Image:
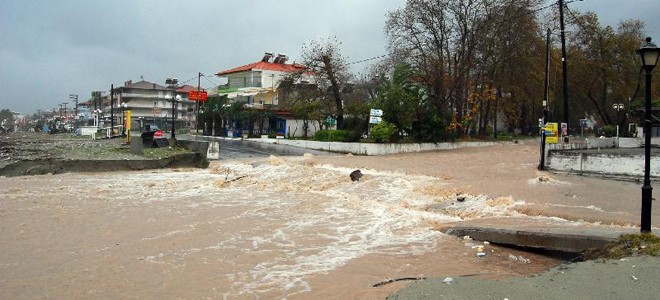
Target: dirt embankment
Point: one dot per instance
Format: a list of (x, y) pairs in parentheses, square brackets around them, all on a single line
[(41, 153)]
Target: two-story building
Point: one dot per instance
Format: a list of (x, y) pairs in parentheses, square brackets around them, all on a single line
[(257, 85)]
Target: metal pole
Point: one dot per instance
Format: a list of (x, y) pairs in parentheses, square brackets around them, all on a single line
[(647, 189), (123, 120), (545, 98), (563, 62), (497, 98), (173, 111), (112, 105), (199, 78)]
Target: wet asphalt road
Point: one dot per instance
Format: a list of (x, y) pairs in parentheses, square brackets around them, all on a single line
[(239, 149)]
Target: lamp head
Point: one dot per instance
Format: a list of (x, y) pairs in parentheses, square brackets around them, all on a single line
[(649, 53)]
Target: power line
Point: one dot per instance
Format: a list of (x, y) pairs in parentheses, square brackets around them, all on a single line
[(209, 80), (184, 82), (368, 59)]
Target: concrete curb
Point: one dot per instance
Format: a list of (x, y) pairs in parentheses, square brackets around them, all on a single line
[(544, 235)]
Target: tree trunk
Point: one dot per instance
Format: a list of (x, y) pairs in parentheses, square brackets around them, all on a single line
[(336, 93)]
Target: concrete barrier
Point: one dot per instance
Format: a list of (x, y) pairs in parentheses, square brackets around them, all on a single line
[(372, 148), (602, 163), (207, 147)]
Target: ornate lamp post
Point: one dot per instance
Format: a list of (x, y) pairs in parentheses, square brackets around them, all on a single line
[(172, 82), (649, 53), (619, 107)]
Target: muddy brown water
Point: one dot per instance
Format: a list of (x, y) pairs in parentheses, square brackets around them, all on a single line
[(241, 229)]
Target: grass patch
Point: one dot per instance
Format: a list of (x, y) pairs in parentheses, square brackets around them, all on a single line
[(628, 245), (158, 153)]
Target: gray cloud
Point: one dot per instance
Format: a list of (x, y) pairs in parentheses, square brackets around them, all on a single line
[(50, 49)]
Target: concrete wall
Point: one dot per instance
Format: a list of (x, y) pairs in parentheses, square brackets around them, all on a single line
[(630, 142), (207, 147), (601, 163), (294, 128), (372, 149)]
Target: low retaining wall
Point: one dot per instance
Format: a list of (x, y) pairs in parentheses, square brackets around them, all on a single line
[(207, 147), (619, 164), (372, 149), (57, 166)]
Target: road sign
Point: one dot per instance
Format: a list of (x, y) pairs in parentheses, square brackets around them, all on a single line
[(552, 134), (330, 121), (195, 96), (374, 112), (375, 120)]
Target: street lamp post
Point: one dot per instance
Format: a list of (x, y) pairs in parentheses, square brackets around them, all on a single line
[(172, 82), (124, 105), (98, 112), (649, 53), (619, 107)]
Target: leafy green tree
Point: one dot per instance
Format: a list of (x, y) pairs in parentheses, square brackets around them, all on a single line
[(307, 112), (400, 98)]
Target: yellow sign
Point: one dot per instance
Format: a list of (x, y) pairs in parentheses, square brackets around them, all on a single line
[(551, 133), (127, 123)]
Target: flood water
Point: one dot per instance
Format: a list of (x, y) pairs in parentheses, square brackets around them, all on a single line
[(267, 228)]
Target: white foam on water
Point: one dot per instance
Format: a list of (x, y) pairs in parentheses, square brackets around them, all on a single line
[(303, 219), (589, 207)]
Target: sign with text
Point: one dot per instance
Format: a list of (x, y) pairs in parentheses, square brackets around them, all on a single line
[(197, 96), (375, 120), (374, 112), (551, 133)]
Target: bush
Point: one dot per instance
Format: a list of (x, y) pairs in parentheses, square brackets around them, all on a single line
[(609, 130), (383, 132), (356, 128), (331, 135)]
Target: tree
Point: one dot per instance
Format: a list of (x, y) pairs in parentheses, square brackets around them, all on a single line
[(605, 66), (324, 59), (6, 120), (459, 47), (400, 98)]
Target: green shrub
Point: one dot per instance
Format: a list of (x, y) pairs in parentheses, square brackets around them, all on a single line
[(356, 127), (331, 135), (383, 132), (609, 130)]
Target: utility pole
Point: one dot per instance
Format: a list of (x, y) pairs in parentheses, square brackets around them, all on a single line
[(199, 78), (498, 94), (112, 106), (66, 117), (563, 62), (74, 97), (545, 99)]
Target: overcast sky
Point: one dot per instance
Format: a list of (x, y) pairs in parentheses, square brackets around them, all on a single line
[(52, 48)]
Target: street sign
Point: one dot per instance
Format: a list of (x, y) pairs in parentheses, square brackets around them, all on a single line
[(375, 120), (552, 134), (330, 121), (374, 112), (195, 96)]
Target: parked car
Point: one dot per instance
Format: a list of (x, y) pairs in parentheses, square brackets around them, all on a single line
[(153, 137)]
